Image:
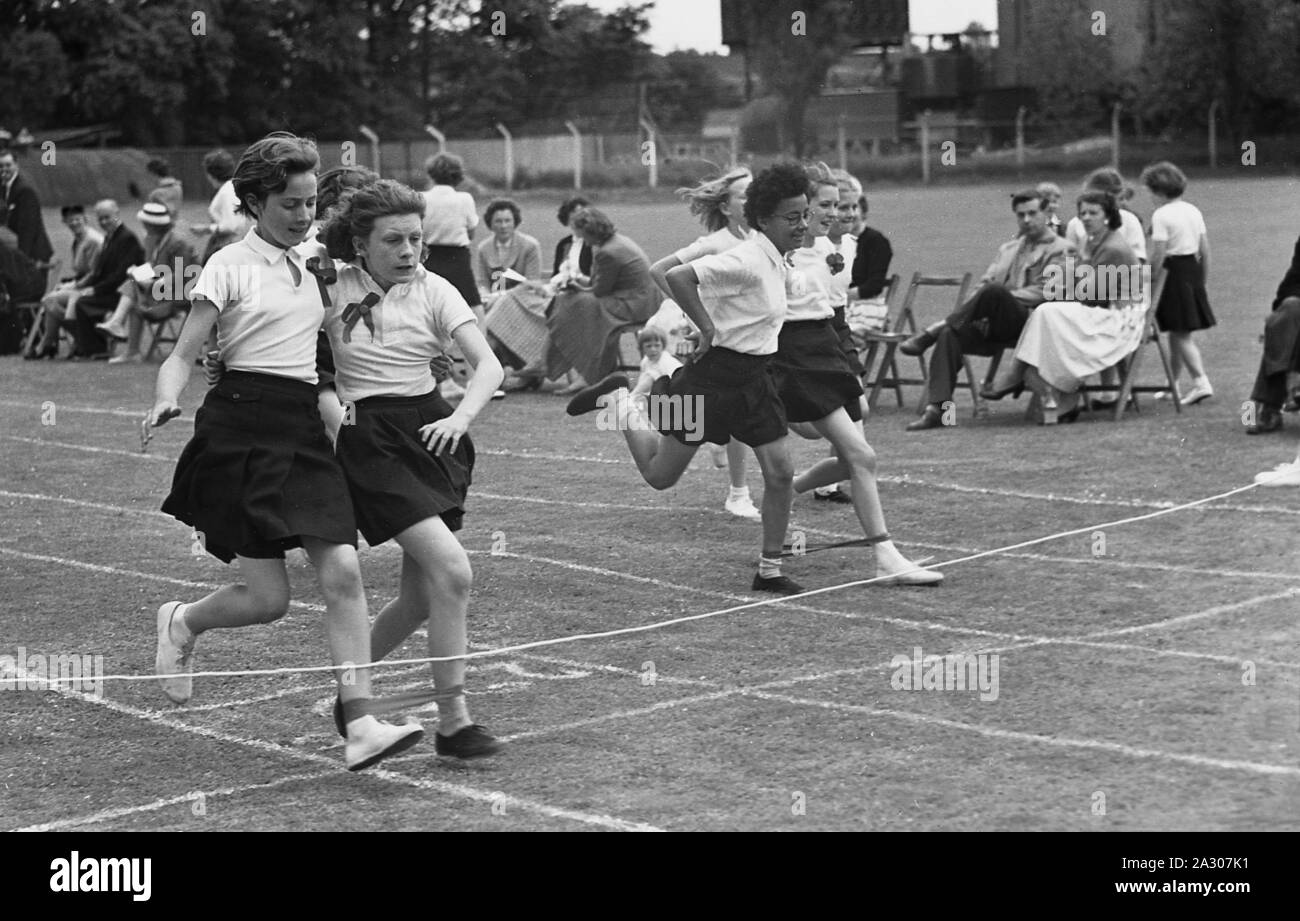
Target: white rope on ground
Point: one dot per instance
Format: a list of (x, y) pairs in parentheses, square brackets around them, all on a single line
[(643, 628)]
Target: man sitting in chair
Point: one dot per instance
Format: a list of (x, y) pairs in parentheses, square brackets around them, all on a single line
[(994, 316), (155, 289), (1281, 353)]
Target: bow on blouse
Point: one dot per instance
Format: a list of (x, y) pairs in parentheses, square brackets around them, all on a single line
[(354, 312), (325, 275)]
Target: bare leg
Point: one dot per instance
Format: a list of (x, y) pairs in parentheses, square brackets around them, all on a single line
[(661, 459), (262, 598), (339, 575), (778, 493)]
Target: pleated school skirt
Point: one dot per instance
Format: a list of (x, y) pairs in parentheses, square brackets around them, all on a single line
[(393, 479), (812, 372), (1184, 306), (734, 393), (453, 263), (259, 473)]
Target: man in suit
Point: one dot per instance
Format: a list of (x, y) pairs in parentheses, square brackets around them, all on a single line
[(98, 295), (1281, 353), (22, 211), (993, 318)]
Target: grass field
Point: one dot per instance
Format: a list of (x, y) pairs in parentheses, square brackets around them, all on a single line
[(1156, 686)]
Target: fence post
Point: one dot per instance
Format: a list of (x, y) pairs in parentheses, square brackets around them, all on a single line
[(654, 152), (1214, 139), (437, 136), (735, 146), (1020, 138), (577, 155), (841, 143), (1114, 135), (374, 148), (510, 155), (925, 147)]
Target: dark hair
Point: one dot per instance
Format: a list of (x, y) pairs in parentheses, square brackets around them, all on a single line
[(68, 210), (333, 183), (219, 164), (445, 169), (568, 206), (1108, 204), (503, 204), (771, 187), (356, 212), (159, 167), (1165, 179), (1107, 179), (1025, 195), (593, 223), (265, 167), (649, 333)]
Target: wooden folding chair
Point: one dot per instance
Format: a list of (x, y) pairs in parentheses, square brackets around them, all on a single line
[(901, 326), (165, 331), (1128, 367), (34, 307)]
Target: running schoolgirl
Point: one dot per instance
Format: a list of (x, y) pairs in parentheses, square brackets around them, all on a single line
[(737, 300), (819, 389), (259, 477), (406, 454), (720, 206)]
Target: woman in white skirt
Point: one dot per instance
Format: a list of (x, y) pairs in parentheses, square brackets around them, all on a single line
[(1065, 341)]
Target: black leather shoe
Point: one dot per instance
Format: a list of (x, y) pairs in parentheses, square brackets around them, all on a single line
[(838, 495), (471, 742), (917, 344), (1013, 391), (781, 585), (585, 400), (1266, 420), (930, 419)]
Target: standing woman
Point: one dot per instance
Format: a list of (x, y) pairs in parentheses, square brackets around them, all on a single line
[(719, 204), (228, 221), (408, 458), (449, 222), (258, 477)]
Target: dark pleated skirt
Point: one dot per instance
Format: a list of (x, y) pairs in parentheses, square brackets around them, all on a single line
[(845, 336), (259, 473), (395, 481), (1184, 306), (737, 396), (453, 263), (812, 372)]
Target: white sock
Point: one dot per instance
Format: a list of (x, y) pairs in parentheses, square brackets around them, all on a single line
[(769, 568), (737, 493), (178, 625)]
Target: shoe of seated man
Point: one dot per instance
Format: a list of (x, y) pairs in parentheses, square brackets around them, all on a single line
[(918, 344), (1287, 474), (371, 741), (1267, 419), (932, 418)]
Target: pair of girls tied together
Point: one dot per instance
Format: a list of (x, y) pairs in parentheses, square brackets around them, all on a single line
[(261, 475)]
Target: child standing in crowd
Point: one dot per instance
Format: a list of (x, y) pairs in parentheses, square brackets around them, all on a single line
[(259, 476), (1179, 242)]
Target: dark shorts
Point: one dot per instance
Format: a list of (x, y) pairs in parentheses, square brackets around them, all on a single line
[(812, 372), (394, 480), (259, 473), (453, 263), (737, 395)]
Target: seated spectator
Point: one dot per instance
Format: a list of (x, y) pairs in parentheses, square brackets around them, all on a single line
[(20, 211), (993, 318), (99, 293), (1109, 180), (1281, 354), (572, 263), (1051, 194), (156, 288), (585, 321), (86, 246), (508, 250), (21, 279), (516, 320), (227, 225), (1078, 332), (870, 272), (168, 192)]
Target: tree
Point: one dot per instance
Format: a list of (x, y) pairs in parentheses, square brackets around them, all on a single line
[(33, 74), (792, 44)]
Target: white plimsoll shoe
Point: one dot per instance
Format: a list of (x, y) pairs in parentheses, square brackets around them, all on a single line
[(743, 508), (172, 661), (371, 741), (1200, 391), (1282, 475), (1166, 395), (916, 576)]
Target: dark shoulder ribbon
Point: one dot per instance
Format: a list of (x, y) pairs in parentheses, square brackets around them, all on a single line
[(354, 312), (325, 275)]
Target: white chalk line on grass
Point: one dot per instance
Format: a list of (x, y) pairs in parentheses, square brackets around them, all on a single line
[(439, 786), (121, 812), (905, 480)]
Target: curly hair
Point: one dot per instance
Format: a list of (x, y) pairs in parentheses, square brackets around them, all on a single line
[(1165, 179), (356, 212), (445, 169), (159, 167), (771, 187), (706, 199), (1109, 204), (1108, 179), (503, 204), (333, 183), (568, 206), (219, 164), (593, 223), (265, 167)]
